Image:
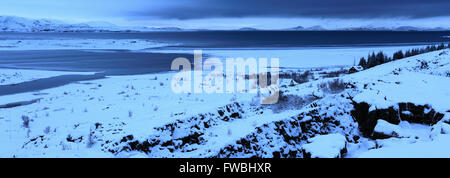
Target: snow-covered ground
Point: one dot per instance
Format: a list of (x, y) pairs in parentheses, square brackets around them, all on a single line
[(306, 57), (397, 109), (15, 76), (56, 44)]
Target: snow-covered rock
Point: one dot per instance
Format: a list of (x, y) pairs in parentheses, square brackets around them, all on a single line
[(326, 146), (386, 129), (437, 148)]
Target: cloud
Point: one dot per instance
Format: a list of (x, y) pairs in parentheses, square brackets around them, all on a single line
[(236, 13), (200, 9)]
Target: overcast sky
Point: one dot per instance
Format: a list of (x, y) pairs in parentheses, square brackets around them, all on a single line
[(229, 14)]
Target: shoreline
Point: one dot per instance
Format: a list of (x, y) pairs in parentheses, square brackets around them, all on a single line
[(290, 60), (105, 117)]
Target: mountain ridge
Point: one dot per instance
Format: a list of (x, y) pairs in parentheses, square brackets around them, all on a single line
[(21, 24)]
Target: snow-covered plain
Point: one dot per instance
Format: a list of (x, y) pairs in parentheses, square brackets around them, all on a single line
[(140, 116), (16, 76), (58, 44)]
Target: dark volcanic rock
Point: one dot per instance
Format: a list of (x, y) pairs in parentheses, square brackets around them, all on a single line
[(415, 114), (419, 114)]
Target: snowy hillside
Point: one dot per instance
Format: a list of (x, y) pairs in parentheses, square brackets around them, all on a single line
[(20, 24), (397, 109)]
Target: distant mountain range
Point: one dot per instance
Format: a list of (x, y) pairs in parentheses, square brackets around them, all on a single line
[(20, 24), (301, 28), (362, 28), (367, 28), (248, 29)]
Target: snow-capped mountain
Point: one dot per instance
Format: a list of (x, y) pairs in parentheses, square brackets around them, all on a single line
[(399, 28), (10, 23), (248, 29), (297, 28), (20, 24), (366, 28), (301, 28)]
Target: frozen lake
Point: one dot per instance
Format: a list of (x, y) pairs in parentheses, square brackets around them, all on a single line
[(143, 53)]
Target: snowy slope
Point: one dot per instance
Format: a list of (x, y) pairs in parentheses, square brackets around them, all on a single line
[(421, 124)]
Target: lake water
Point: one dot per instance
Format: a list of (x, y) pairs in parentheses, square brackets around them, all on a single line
[(240, 39)]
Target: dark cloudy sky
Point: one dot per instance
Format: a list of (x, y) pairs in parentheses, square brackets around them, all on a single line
[(238, 13), (193, 9)]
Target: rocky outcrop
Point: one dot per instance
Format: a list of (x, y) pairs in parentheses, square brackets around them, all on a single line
[(282, 139), (367, 120), (325, 146), (180, 134)]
